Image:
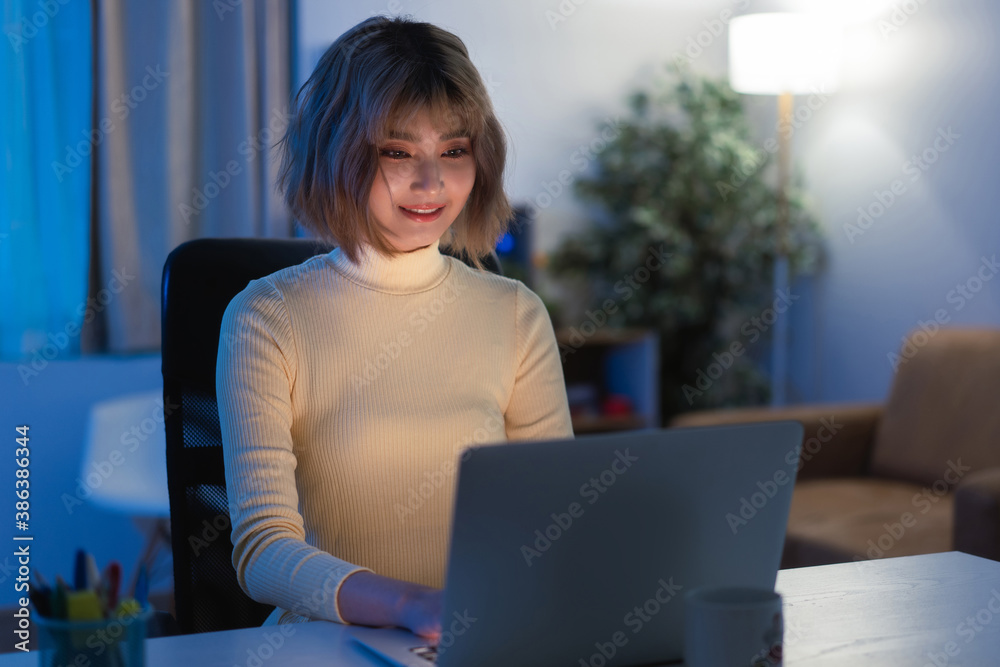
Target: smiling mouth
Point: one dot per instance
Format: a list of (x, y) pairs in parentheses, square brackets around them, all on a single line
[(422, 210), (422, 214)]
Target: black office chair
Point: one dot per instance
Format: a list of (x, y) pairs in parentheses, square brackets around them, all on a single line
[(200, 277)]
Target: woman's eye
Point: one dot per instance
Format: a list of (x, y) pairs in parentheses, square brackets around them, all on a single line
[(396, 154)]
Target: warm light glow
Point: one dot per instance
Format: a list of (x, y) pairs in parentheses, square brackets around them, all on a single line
[(776, 53), (852, 11)]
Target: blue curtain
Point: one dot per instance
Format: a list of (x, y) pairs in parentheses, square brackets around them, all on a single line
[(48, 136)]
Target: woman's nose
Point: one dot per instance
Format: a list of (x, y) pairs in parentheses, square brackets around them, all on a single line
[(427, 176)]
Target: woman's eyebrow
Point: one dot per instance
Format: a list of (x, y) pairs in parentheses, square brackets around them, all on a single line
[(406, 136)]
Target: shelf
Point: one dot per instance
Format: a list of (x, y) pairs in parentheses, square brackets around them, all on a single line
[(606, 369)]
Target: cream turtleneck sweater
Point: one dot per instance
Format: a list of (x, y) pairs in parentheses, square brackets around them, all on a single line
[(346, 394)]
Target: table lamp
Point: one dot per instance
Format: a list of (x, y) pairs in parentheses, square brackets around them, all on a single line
[(783, 54), (125, 467)]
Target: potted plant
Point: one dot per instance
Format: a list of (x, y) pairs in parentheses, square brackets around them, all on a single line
[(684, 179)]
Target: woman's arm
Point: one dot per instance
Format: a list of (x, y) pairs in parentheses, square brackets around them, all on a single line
[(256, 371), (538, 408)]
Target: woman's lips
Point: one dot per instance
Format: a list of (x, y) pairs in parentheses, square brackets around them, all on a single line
[(431, 216)]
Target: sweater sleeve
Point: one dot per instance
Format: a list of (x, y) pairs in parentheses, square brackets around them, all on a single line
[(538, 408), (254, 379)]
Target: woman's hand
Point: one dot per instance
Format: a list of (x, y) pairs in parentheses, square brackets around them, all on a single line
[(366, 598), (421, 613)]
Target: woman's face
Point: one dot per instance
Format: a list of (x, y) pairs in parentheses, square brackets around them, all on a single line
[(426, 172)]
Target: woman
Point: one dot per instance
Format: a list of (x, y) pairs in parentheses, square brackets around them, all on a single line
[(357, 377)]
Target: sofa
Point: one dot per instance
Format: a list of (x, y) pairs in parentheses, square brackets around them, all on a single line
[(918, 473)]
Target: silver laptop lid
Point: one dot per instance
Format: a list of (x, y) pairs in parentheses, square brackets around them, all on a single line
[(579, 552)]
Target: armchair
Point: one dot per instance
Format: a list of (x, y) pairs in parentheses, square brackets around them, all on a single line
[(919, 473)]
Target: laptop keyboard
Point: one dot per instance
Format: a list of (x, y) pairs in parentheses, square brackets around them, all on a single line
[(428, 653)]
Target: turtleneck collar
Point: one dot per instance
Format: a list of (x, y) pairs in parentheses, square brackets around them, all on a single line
[(406, 273)]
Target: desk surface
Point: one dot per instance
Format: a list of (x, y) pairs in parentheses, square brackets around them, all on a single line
[(939, 609)]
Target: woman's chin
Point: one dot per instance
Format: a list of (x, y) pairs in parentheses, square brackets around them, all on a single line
[(417, 242)]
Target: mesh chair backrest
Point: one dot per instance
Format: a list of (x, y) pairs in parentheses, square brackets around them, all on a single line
[(200, 277)]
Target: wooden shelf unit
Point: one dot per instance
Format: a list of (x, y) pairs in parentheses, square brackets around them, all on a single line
[(609, 362)]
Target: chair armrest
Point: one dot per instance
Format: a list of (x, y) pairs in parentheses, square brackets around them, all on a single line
[(837, 438), (977, 514)]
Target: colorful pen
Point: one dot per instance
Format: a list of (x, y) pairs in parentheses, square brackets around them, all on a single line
[(41, 597), (80, 570), (93, 574), (59, 599), (141, 585), (112, 578), (41, 580)]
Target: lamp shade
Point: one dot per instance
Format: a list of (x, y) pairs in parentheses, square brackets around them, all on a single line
[(124, 467), (784, 52)]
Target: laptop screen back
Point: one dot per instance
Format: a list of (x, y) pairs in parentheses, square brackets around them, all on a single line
[(580, 552)]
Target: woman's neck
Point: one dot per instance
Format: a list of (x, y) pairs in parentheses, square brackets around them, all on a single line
[(405, 273)]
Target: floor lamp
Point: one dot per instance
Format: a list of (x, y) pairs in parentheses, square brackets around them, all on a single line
[(783, 54)]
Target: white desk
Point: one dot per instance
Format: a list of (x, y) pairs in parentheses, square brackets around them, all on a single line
[(893, 612), (890, 612)]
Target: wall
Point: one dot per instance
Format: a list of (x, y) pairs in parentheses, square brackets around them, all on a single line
[(917, 111)]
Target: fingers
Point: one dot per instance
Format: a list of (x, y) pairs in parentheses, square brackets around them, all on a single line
[(432, 637)]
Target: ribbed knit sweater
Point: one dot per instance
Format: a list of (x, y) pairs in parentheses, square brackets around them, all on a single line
[(346, 394)]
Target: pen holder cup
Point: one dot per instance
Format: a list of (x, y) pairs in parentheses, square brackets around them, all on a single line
[(109, 642)]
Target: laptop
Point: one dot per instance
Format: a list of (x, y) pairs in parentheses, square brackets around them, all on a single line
[(579, 552)]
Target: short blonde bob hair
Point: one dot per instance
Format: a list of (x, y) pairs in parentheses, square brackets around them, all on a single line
[(376, 77)]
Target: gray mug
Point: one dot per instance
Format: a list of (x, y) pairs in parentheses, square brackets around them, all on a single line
[(732, 627)]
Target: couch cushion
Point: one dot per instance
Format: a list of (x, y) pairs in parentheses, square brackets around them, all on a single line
[(942, 407), (843, 520)]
